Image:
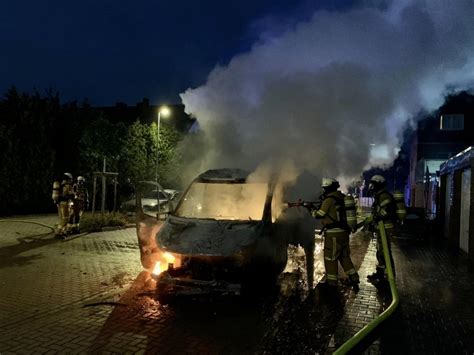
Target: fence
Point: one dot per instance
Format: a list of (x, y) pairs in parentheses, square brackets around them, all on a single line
[(365, 202)]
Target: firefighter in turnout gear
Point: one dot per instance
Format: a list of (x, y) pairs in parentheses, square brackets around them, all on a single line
[(384, 208), (64, 198), (80, 203), (336, 234)]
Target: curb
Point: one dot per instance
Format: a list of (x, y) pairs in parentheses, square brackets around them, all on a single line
[(110, 228), (114, 228)]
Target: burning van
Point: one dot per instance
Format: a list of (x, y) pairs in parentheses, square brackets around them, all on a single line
[(222, 233)]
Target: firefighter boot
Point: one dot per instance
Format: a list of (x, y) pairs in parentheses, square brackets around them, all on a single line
[(377, 276), (354, 283), (355, 286)]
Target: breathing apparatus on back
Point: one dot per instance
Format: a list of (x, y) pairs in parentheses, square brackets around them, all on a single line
[(345, 207)]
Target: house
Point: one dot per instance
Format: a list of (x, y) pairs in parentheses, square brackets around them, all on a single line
[(437, 138), (456, 201)]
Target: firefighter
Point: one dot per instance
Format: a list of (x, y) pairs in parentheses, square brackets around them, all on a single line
[(384, 209), (64, 199), (336, 234), (79, 203)]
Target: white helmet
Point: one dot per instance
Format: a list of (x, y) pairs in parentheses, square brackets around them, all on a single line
[(81, 178), (377, 183), (378, 179), (328, 182), (69, 175)]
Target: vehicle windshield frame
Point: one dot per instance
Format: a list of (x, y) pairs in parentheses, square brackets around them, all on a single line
[(257, 200)]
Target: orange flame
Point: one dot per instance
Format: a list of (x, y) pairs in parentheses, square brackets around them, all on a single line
[(162, 264)]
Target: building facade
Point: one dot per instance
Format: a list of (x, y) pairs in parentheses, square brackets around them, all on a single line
[(456, 201), (436, 139)]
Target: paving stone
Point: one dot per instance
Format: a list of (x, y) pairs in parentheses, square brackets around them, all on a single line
[(434, 315), (44, 284)]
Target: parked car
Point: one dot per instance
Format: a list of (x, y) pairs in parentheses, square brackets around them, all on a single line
[(154, 199), (416, 225), (224, 232)]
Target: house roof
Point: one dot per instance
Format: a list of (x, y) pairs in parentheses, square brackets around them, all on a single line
[(459, 161)]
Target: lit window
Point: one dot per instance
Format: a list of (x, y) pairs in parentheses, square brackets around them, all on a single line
[(452, 122)]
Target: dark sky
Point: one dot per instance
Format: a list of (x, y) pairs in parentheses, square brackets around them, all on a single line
[(111, 50)]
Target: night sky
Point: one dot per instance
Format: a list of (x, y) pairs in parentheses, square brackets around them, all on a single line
[(112, 51)]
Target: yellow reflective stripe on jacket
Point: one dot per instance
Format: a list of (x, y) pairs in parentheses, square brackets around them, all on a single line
[(398, 195), (321, 213), (331, 277), (385, 202)]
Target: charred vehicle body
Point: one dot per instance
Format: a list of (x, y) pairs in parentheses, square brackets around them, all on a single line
[(224, 232), (229, 230)]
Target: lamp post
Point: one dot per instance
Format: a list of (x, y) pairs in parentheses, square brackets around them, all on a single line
[(165, 112)]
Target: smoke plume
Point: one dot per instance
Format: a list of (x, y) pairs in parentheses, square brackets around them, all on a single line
[(332, 95)]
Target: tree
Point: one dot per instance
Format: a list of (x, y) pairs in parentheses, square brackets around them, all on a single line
[(101, 139), (140, 154), (27, 155), (136, 163), (169, 159), (40, 139)]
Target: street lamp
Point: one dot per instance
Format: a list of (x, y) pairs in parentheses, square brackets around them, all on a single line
[(165, 112)]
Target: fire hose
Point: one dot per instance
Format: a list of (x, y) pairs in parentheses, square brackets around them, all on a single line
[(24, 221), (361, 334)]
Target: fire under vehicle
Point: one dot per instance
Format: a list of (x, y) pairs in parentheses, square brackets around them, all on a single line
[(224, 233)]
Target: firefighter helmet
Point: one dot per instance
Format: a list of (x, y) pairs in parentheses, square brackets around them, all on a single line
[(68, 176), (329, 185), (81, 179), (379, 179), (328, 182), (376, 183)]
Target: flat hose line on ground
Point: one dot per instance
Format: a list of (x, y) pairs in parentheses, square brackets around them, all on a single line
[(367, 329), (32, 222)]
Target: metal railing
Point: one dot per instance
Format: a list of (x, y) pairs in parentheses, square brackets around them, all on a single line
[(365, 202)]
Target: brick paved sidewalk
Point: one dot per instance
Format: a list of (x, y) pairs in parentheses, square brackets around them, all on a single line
[(435, 314), (44, 282)]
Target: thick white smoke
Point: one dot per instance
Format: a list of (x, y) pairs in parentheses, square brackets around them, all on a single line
[(332, 95)]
